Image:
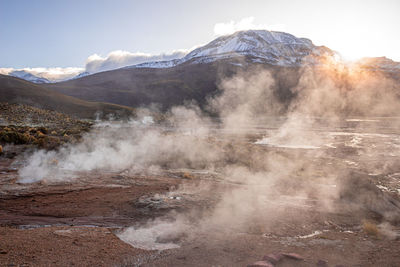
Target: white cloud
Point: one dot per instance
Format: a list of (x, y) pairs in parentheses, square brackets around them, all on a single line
[(6, 71), (230, 27), (118, 59), (51, 74), (95, 63)]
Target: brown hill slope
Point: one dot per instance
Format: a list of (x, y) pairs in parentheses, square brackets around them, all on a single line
[(18, 91), (166, 87)]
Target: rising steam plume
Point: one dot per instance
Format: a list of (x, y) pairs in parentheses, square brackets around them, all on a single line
[(261, 179)]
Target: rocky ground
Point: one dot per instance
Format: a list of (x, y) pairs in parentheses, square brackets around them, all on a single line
[(80, 221), (76, 223)]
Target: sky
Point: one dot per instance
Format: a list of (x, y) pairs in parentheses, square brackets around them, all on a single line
[(90, 34)]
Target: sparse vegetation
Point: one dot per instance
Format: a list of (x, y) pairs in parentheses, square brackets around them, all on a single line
[(187, 175), (26, 125), (370, 228)]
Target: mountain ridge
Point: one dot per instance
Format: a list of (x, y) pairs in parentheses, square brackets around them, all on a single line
[(266, 47), (276, 48), (197, 76), (14, 90)]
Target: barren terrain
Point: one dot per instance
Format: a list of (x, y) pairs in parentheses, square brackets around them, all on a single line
[(172, 216)]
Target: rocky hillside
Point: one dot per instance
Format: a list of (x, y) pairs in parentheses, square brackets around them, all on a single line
[(17, 91)]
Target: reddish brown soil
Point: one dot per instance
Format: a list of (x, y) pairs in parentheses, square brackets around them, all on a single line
[(75, 224), (63, 246), (97, 206)]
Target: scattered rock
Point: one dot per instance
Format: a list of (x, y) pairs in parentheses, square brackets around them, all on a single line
[(261, 264), (322, 263), (294, 256), (273, 258)]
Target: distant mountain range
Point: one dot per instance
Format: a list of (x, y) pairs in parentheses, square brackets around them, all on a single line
[(266, 47), (196, 77)]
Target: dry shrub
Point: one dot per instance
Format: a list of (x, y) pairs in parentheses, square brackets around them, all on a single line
[(370, 228), (187, 175)]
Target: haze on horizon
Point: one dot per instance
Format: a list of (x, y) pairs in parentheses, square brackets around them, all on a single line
[(49, 36)]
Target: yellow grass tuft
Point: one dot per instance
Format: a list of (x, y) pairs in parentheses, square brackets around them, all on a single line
[(370, 228), (187, 175)]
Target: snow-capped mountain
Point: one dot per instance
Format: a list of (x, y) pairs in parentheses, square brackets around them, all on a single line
[(193, 78), (276, 47), (262, 46), (244, 48), (28, 76)]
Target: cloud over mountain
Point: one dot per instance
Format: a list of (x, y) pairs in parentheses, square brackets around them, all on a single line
[(52, 74), (95, 63), (118, 59), (225, 28)]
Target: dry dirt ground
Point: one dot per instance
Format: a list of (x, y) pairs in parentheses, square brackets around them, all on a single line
[(77, 222), (72, 223)]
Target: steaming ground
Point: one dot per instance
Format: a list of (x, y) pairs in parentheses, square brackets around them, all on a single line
[(233, 188), (201, 192)]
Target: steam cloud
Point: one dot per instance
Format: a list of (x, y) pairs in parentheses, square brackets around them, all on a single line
[(262, 181)]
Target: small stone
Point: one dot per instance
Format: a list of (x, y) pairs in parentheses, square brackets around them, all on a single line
[(322, 263), (273, 258), (261, 264), (294, 256)]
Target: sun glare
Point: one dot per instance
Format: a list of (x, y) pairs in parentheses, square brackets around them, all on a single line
[(338, 68)]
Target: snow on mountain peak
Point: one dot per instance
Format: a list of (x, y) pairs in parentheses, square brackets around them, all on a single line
[(28, 76), (250, 40), (277, 48)]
